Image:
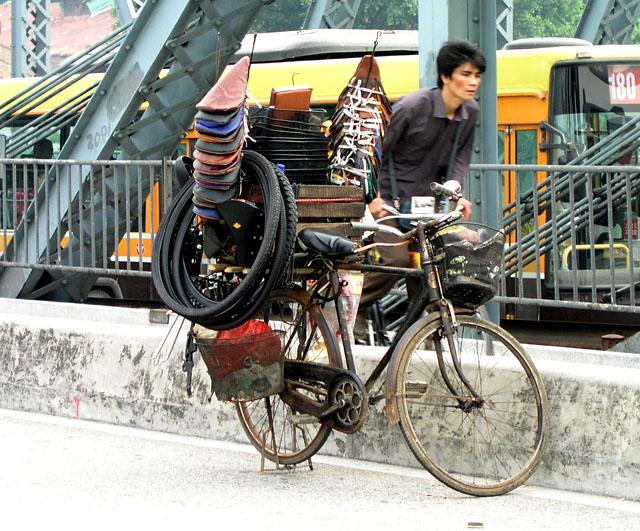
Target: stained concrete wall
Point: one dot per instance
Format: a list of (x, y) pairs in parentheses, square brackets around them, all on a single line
[(115, 366)]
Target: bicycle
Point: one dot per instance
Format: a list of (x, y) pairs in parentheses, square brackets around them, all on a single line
[(469, 400)]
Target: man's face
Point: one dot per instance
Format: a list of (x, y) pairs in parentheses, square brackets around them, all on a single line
[(464, 81)]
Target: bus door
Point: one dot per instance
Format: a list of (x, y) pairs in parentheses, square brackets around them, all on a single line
[(518, 144)]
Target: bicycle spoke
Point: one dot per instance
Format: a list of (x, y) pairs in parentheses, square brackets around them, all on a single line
[(303, 336), (483, 446)]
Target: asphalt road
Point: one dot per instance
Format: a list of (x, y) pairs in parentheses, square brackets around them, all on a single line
[(58, 473)]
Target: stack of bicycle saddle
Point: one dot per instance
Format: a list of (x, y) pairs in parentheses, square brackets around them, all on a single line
[(220, 124), (357, 128)]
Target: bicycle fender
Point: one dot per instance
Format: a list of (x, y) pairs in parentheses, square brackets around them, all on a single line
[(391, 408)]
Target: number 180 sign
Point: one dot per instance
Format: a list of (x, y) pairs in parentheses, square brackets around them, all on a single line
[(623, 84)]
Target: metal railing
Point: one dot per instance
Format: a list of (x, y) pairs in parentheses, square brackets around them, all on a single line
[(107, 227), (573, 238)]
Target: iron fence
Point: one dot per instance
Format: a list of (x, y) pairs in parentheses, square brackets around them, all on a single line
[(101, 219), (572, 238)]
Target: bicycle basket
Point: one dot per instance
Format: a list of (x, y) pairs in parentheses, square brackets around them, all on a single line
[(469, 258), (244, 363)]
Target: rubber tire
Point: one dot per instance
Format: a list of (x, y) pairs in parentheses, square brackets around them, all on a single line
[(434, 437), (253, 414)]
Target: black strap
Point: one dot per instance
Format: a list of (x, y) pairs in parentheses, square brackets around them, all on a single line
[(394, 186), (452, 158)]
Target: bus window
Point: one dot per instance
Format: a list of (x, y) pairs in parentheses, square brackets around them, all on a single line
[(591, 100), (182, 149), (517, 145)]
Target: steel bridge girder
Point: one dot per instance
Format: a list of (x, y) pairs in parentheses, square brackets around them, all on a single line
[(608, 21), (30, 37), (196, 38)]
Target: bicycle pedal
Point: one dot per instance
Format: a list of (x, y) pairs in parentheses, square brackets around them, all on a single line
[(302, 419)]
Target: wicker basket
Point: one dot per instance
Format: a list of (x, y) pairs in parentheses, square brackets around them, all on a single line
[(469, 258)]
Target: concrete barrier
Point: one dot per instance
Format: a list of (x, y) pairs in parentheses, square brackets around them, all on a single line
[(114, 365)]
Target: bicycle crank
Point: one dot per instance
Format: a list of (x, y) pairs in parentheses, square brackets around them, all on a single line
[(348, 393), (328, 393)]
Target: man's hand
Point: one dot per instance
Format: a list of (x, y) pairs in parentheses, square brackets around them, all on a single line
[(464, 205), (375, 207)]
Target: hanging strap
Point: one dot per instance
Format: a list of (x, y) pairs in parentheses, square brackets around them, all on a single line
[(394, 185), (452, 158)]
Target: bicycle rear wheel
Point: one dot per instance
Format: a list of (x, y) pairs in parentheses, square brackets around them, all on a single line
[(486, 446), (286, 436)]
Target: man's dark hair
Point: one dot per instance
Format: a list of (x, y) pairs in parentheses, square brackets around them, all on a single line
[(456, 53)]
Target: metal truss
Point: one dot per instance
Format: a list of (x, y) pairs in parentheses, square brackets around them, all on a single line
[(332, 14), (608, 21), (504, 22), (127, 10), (172, 55), (30, 37)]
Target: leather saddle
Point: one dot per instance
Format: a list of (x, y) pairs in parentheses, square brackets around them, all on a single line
[(325, 242)]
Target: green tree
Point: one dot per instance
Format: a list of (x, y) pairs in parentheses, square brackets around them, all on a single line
[(546, 18), (286, 15), (382, 14), (531, 18), (281, 15)]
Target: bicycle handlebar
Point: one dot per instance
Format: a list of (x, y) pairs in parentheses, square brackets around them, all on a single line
[(451, 189), (423, 222)]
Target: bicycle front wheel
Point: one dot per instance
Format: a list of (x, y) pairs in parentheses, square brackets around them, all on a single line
[(484, 445), (286, 436)]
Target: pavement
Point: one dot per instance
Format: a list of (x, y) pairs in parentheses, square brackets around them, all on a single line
[(123, 367), (76, 474)]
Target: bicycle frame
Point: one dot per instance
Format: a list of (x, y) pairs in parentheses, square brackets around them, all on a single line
[(431, 297)]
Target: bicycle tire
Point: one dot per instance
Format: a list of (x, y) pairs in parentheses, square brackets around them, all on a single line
[(166, 266), (291, 209), (285, 442), (277, 264), (485, 450)]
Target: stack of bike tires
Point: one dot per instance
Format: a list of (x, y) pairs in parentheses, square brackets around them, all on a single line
[(201, 281)]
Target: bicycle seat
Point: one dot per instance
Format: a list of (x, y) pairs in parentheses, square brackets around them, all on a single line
[(325, 242)]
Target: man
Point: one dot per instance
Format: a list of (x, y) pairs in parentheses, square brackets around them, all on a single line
[(418, 149)]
